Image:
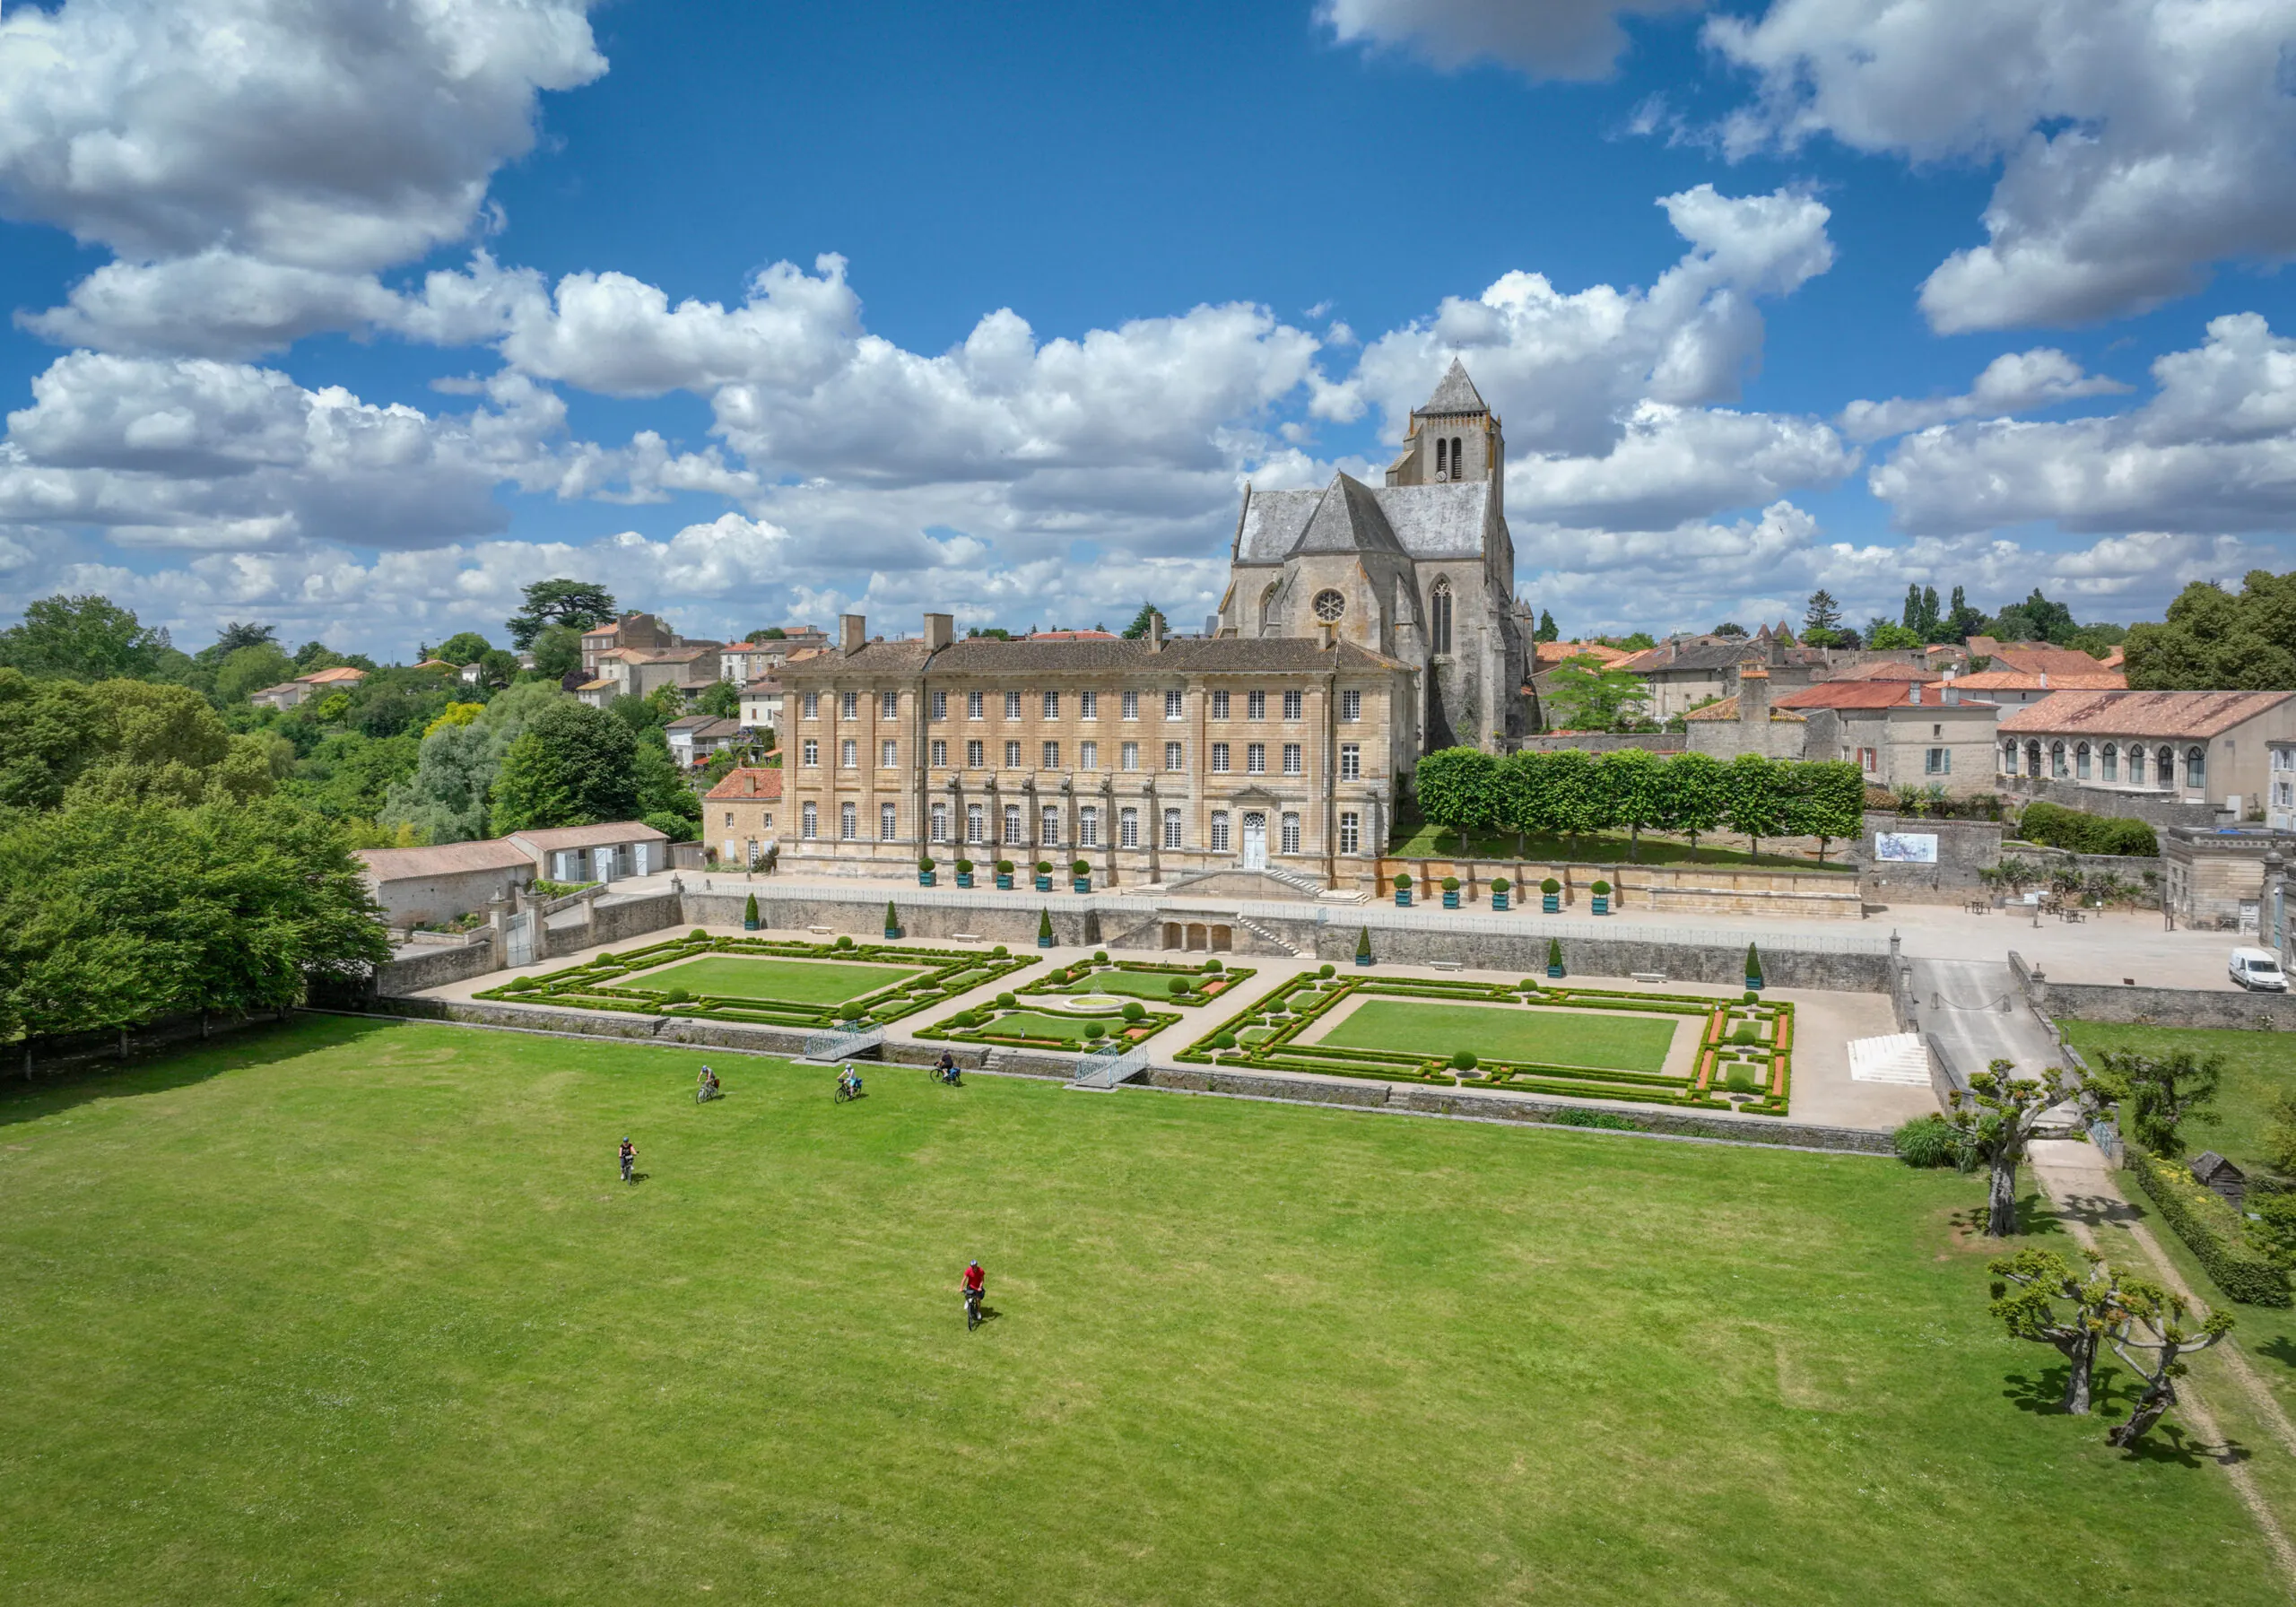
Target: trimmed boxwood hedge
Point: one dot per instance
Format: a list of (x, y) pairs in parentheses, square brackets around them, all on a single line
[(2213, 1229)]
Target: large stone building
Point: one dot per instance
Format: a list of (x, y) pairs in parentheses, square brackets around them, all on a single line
[(1150, 759), (1420, 571), (2172, 758)]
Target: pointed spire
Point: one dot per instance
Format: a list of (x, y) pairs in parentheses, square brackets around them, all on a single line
[(1456, 393)]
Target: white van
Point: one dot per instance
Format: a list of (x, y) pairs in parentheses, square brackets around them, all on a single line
[(2259, 969)]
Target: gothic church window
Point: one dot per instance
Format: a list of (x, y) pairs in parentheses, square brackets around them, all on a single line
[(1458, 464), (1267, 609), (1442, 457), (1329, 606), (1439, 609)]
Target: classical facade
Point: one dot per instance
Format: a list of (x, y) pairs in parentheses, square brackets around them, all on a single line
[(2173, 758), (1150, 759), (1420, 571)]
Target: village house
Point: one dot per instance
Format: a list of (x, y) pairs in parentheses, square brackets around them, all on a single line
[(2218, 876), (287, 694), (2280, 785), (1683, 672), (1149, 758), (640, 671), (606, 852), (1898, 732), (694, 738), (738, 816), (762, 705), (2173, 758)]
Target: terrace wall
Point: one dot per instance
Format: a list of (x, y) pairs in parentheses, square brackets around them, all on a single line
[(1964, 848), (2226, 1007), (1695, 889)]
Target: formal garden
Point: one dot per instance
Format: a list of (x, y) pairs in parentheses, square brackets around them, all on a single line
[(1535, 1036), (766, 982), (349, 1309), (1094, 1003)]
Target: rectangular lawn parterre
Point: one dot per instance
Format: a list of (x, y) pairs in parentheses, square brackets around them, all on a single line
[(797, 981), (1606, 1039), (350, 1310)]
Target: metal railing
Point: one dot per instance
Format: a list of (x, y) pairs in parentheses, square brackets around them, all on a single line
[(842, 1045), (1106, 1071)]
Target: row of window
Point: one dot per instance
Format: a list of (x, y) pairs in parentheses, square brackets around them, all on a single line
[(977, 821), (1293, 756), (2076, 764), (1088, 705)]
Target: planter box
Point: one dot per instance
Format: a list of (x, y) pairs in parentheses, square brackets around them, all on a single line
[(748, 924), (1044, 884), (1555, 971), (1083, 884), (925, 878), (1004, 884), (1044, 943), (964, 878), (1498, 903), (1402, 897), (1602, 904), (893, 932), (1754, 985), (1551, 903), (1450, 900)]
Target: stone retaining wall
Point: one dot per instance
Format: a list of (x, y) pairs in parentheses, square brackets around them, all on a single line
[(2229, 1008), (1699, 889), (439, 968), (1596, 957)]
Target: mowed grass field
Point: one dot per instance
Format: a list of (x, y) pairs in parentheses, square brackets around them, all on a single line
[(2259, 1067), (343, 1310), (1604, 1039), (795, 981)]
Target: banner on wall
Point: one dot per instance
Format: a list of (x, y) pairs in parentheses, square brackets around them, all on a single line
[(1905, 848)]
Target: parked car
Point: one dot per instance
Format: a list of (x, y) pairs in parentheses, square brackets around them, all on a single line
[(2259, 969)]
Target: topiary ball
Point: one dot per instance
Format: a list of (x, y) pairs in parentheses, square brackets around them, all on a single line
[(1100, 957), (1000, 951), (697, 932), (1463, 1062), (1178, 986), (1135, 1011), (844, 942), (1327, 971), (1225, 1040), (1093, 1030), (1006, 1001), (1212, 966)]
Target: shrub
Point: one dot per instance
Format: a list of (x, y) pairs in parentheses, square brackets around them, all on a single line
[(1178, 986), (1080, 868), (1100, 957), (1044, 867), (1499, 884), (892, 917), (1550, 886), (749, 911), (1134, 1011), (1463, 1061), (1554, 950), (1363, 943), (698, 932), (1402, 883), (1928, 1141), (1450, 884), (924, 864), (1093, 1030), (1044, 925), (2213, 1229), (1006, 1002), (1593, 1118), (1000, 951), (1753, 964), (1225, 1040), (676, 995), (1602, 889), (1212, 968), (1003, 867), (519, 984), (844, 942), (2081, 832), (1325, 971), (1739, 1079), (964, 867)]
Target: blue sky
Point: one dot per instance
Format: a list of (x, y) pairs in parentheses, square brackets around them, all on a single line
[(356, 318)]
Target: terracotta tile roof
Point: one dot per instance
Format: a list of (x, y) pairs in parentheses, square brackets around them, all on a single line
[(2033, 658), (588, 837), (1849, 694), (1888, 670), (445, 859), (2144, 714), (1727, 708), (341, 673), (748, 781), (2025, 680), (1550, 654)]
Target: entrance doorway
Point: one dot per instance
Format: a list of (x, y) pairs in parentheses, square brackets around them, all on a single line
[(1255, 841)]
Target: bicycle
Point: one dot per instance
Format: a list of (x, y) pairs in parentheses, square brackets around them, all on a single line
[(948, 1074), (849, 1091), (973, 1297), (629, 1169), (702, 1096)]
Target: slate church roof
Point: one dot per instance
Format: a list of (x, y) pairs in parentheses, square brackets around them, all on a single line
[(1456, 393), (1424, 521)]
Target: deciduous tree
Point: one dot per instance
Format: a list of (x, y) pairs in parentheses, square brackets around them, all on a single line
[(1632, 781), (2153, 1339), (1997, 1118), (86, 638), (578, 604), (2028, 1288), (1582, 695), (2159, 1093), (572, 766)]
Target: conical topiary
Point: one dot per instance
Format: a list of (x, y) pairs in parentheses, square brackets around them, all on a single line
[(1753, 964), (749, 913), (893, 920), (1044, 925), (1363, 943), (1554, 950)]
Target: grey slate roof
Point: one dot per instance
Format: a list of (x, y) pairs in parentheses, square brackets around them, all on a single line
[(1347, 519), (1455, 394), (1698, 656), (1425, 521)]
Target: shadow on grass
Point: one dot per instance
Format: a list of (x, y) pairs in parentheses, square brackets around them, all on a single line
[(2280, 1348), (2044, 1396), (2036, 1219), (2169, 1443), (180, 1066)]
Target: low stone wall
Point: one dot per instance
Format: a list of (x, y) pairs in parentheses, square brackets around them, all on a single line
[(1597, 957), (1007, 918), (2229, 1008), (1689, 890), (1440, 1101), (2161, 809), (616, 920), (439, 968)]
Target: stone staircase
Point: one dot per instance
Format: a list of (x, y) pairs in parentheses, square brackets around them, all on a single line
[(1266, 936)]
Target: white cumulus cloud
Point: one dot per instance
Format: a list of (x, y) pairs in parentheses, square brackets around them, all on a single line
[(2014, 382), (1544, 38)]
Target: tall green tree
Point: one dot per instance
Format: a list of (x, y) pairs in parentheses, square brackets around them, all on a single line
[(2214, 640), (2153, 1339), (578, 604), (1138, 629), (44, 730), (1754, 799), (1822, 620), (1826, 799), (1693, 798), (87, 638), (1548, 630), (558, 651), (1995, 1119), (2159, 1093), (721, 699), (466, 647), (572, 766), (2035, 620), (446, 798), (665, 802), (235, 636), (1961, 620), (1634, 781), (1582, 695), (1457, 788), (1569, 796), (249, 669)]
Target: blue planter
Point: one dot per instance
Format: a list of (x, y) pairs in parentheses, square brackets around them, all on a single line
[(1754, 985), (1551, 903), (1004, 884), (1402, 897), (1044, 943), (1602, 904), (748, 924), (964, 878), (1363, 959), (1450, 900), (1083, 884), (1044, 884), (893, 932), (1555, 971), (925, 878), (1499, 902)]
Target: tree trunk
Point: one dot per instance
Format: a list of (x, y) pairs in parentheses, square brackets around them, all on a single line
[(203, 1024), (2081, 1351), (122, 1043), (2001, 1199), (1633, 841), (2151, 1407)]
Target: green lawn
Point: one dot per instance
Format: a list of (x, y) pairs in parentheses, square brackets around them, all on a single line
[(1040, 1023), (797, 981), (1134, 985), (359, 1311), (2257, 1066), (1604, 1039)]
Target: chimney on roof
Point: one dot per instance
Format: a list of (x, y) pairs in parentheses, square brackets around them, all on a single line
[(1753, 696), (1155, 631), (2044, 680), (940, 631), (852, 631)]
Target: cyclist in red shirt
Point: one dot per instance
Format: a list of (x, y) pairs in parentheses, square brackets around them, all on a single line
[(975, 1288)]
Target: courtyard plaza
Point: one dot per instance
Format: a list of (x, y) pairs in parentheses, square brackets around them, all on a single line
[(2105, 947), (1823, 1092)]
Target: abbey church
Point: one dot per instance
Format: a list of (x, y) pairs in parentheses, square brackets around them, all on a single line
[(1420, 569)]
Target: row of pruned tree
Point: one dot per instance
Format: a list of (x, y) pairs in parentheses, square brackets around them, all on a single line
[(1574, 794)]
